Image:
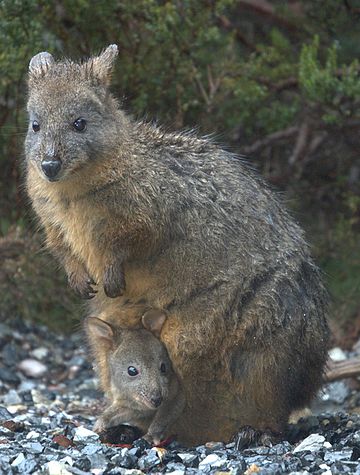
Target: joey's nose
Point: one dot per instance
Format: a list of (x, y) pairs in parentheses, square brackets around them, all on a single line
[(156, 401), (51, 167)]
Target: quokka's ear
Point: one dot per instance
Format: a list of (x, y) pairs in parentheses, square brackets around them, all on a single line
[(100, 67), (40, 64), (153, 320), (98, 331)]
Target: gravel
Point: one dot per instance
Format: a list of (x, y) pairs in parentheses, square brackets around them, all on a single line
[(49, 402)]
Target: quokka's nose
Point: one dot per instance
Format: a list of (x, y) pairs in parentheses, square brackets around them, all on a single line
[(51, 167), (156, 400)]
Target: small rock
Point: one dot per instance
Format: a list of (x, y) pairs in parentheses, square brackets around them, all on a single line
[(335, 392), (91, 449), (34, 448), (214, 445), (19, 460), (9, 376), (26, 386), (188, 459), (5, 415), (12, 398), (81, 434), (40, 353), (337, 354), (32, 368), (252, 469), (213, 460), (32, 435), (56, 468), (125, 459), (149, 460), (312, 443), (175, 469), (98, 461)]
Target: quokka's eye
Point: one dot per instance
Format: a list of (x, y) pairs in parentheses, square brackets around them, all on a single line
[(163, 367), (35, 126), (132, 371), (79, 124)]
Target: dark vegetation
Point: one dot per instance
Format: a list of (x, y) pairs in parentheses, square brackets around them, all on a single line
[(277, 81)]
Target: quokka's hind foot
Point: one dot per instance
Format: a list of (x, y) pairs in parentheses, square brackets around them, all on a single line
[(120, 434), (248, 437)]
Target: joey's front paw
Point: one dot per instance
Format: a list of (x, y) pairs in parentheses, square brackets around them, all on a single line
[(82, 284), (114, 281)]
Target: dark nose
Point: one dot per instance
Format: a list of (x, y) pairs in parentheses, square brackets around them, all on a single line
[(51, 167), (156, 400)]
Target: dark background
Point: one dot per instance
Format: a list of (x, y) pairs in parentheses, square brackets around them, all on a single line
[(277, 81)]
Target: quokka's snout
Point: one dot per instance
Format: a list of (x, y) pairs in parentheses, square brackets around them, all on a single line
[(51, 168)]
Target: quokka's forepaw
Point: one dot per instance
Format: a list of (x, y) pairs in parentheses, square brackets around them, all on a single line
[(82, 285), (153, 438), (114, 282)]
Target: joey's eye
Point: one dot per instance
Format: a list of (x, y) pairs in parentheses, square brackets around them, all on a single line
[(35, 126), (132, 371), (79, 124), (163, 367)]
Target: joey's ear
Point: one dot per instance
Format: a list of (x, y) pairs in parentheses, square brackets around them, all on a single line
[(40, 64), (98, 330), (153, 320), (101, 66)]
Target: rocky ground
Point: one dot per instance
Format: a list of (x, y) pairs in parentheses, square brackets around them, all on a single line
[(49, 401)]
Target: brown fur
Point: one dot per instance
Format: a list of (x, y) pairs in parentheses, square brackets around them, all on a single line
[(193, 231)]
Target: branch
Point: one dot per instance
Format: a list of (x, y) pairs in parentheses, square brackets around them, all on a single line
[(342, 369), (270, 139), (265, 9), (227, 25), (301, 144)]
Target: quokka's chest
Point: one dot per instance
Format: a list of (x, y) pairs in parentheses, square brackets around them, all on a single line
[(83, 230)]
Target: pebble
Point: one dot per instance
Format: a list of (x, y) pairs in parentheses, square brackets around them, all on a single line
[(11, 398), (4, 414), (337, 354), (56, 468), (335, 392), (312, 443), (48, 430), (82, 434), (32, 368)]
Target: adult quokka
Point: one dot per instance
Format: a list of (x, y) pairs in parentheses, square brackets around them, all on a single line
[(139, 215)]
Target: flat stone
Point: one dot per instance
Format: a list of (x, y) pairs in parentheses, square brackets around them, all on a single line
[(188, 459), (56, 468), (9, 376), (5, 415), (91, 449), (12, 398), (337, 354), (312, 443), (33, 435), (335, 392), (32, 368), (40, 353), (213, 460), (81, 434), (34, 448), (19, 460)]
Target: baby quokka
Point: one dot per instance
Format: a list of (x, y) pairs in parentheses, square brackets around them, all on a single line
[(144, 391)]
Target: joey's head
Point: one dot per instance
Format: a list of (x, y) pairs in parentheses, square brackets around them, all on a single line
[(140, 367), (73, 119)]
